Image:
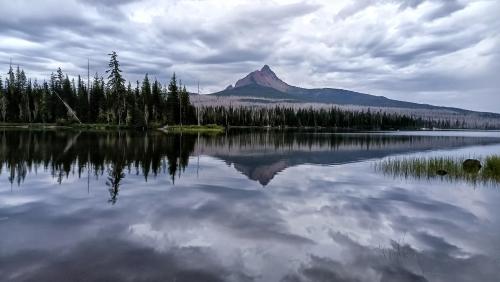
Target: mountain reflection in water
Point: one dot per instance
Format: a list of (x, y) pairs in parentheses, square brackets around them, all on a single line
[(259, 155), (135, 206)]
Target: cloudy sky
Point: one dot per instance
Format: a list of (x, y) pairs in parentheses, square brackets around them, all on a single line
[(444, 52)]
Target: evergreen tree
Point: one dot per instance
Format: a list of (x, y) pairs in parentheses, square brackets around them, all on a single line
[(146, 100), (116, 88), (67, 95), (156, 103), (138, 119), (45, 114), (187, 110), (11, 95), (3, 101), (130, 104), (83, 101), (20, 92), (173, 104), (59, 110)]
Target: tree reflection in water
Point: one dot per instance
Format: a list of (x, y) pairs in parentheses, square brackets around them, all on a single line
[(259, 155), (113, 153)]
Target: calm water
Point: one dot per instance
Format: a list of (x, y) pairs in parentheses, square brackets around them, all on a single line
[(254, 206)]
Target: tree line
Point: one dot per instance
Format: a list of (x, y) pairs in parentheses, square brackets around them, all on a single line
[(150, 104), (111, 100), (333, 117)]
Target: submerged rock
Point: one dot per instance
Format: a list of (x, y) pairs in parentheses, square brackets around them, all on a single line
[(441, 172), (471, 166)]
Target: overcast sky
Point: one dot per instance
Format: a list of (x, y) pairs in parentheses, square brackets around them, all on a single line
[(443, 52)]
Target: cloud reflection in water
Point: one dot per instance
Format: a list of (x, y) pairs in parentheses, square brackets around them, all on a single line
[(317, 220)]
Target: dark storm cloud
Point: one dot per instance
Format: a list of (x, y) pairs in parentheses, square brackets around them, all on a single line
[(362, 45)]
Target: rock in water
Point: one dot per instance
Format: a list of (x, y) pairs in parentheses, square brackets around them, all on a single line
[(471, 166), (441, 172)]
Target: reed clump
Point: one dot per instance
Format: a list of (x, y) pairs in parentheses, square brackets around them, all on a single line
[(492, 168), (445, 168)]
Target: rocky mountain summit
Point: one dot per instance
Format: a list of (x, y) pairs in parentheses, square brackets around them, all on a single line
[(265, 84), (264, 77)]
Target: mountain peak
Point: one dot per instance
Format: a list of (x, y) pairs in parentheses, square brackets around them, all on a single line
[(266, 68), (264, 77)]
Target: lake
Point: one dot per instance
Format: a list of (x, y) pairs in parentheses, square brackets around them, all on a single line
[(242, 206)]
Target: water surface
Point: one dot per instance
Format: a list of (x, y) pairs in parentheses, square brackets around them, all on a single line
[(243, 206)]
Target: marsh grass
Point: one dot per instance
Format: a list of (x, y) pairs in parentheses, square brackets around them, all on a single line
[(492, 168), (210, 128), (430, 168)]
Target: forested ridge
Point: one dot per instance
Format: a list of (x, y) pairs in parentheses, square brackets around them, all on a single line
[(333, 117), (110, 99)]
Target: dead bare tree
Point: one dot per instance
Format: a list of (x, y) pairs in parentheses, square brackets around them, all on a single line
[(70, 110)]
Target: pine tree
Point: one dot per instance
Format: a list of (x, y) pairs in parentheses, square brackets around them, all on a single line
[(20, 92), (67, 96), (83, 101), (3, 101), (156, 103), (139, 118), (130, 104), (56, 82), (146, 97), (28, 101), (173, 102), (116, 87), (45, 114), (186, 107), (10, 81), (35, 101)]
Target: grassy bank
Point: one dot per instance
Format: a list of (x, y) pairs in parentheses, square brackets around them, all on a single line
[(93, 126), (445, 168), (210, 128)]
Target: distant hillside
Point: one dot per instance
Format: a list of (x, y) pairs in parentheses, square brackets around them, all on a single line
[(266, 84), (255, 90)]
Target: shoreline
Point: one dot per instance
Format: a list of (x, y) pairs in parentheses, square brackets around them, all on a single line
[(212, 128)]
